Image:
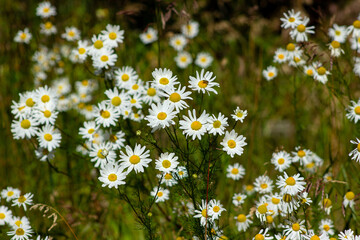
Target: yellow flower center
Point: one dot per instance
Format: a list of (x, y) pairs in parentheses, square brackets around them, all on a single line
[(241, 218), (239, 114), (281, 56), (350, 196), (113, 138), (82, 51), (203, 59), (262, 209), (315, 237), (357, 110), (100, 154), (290, 47), (105, 114), (46, 9), (104, 58), (327, 203), (25, 124), (29, 102), (21, 199), (326, 227), (47, 113), (175, 97), (48, 25), (160, 194), (91, 131), (112, 177), (301, 153), (310, 165), (18, 223), (217, 124), (290, 181), (287, 198), (203, 213), (238, 198), (321, 70), (98, 44), (168, 176), (134, 159), (249, 187), (45, 98), (271, 74), (269, 219), (149, 36), (335, 44), (23, 36), (291, 19), (125, 77), (216, 209), (296, 227), (164, 81), (135, 87), (301, 28), (20, 232), (259, 237), (161, 115), (275, 200), (183, 59), (116, 101), (337, 33), (166, 163), (203, 83), (151, 92), (133, 101), (181, 173), (2, 216), (112, 36), (231, 143), (48, 137), (264, 186), (178, 42), (356, 24), (281, 161), (309, 72), (196, 125), (10, 193), (235, 171)]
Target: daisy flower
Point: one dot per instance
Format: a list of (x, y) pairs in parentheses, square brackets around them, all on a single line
[(9, 193), (233, 143), (152, 95), (263, 184), (18, 221), (183, 59), (269, 73), (149, 36), (239, 115), (354, 29), (118, 99), (46, 96), (349, 199), (111, 175), (263, 235), (326, 226), (293, 51), (49, 137), (178, 42), (25, 128), (300, 32), (23, 36), (346, 235), (203, 82), (249, 189), (136, 100), (243, 222), (135, 159), (304, 199), (203, 213), (161, 116), (238, 199), (193, 126), (311, 236), (326, 204), (215, 208), (167, 162), (235, 171), (203, 60), (106, 115), (281, 160), (164, 78), (71, 34), (181, 172), (97, 45), (291, 185), (5, 215), (355, 154), (280, 55), (43, 154), (288, 204), (23, 200), (301, 155), (125, 76), (102, 154), (160, 194), (104, 59), (117, 139), (191, 29), (321, 74), (45, 10), (309, 71), (335, 49), (217, 125), (21, 233), (87, 132), (82, 51), (112, 35), (176, 97), (354, 111), (291, 19), (167, 178), (338, 33), (47, 28), (262, 210), (295, 230)]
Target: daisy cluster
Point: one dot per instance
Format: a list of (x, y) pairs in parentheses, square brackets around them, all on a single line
[(19, 227), (298, 55)]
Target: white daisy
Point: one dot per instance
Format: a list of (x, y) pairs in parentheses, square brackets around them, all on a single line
[(71, 34), (49, 137), (280, 55), (215, 208), (181, 172), (243, 222), (355, 154), (291, 19), (235, 171), (191, 29), (45, 10), (354, 29), (104, 59), (239, 115), (111, 175), (135, 159), (23, 200), (193, 126), (263, 184), (149, 36), (295, 230), (349, 199), (203, 82), (238, 199), (178, 42), (161, 116), (263, 235), (167, 162), (164, 78), (326, 226), (309, 71), (106, 115), (5, 215), (233, 143), (23, 36), (217, 125), (25, 128), (291, 185), (183, 59), (21, 233), (281, 160), (160, 194), (117, 139), (43, 154), (9, 193), (300, 32), (47, 28), (102, 154), (335, 49), (89, 129), (203, 213), (270, 73), (338, 33), (203, 60), (354, 111), (112, 35)]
